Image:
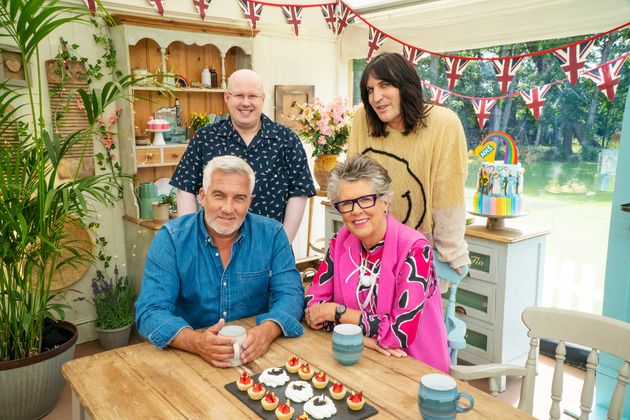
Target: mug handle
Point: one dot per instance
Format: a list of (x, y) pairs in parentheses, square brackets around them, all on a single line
[(471, 402), (237, 350)]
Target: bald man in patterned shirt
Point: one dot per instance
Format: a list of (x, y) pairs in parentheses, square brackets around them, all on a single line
[(283, 179)]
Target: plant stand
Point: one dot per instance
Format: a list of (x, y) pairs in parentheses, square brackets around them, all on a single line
[(114, 338)]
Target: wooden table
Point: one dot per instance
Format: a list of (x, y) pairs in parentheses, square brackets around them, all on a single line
[(141, 381)]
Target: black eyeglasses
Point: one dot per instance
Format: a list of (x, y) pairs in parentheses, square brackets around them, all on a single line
[(365, 202)]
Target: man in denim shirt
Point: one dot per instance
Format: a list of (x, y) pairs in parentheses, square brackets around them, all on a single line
[(220, 264)]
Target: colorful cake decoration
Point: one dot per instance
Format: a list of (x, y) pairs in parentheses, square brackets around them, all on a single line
[(499, 185)]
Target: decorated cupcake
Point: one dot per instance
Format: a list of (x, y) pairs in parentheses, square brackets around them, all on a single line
[(293, 365), (285, 412), (244, 382), (355, 400), (256, 392), (320, 380), (270, 402), (337, 391), (305, 372), (303, 416)]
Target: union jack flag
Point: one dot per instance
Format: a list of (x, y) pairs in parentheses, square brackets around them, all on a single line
[(91, 4), (158, 5), (375, 40), (201, 6), (572, 59), (345, 16), (505, 71), (607, 76), (252, 11), (413, 54), (454, 68), (438, 95), (330, 16), (535, 99), (482, 109), (294, 17)]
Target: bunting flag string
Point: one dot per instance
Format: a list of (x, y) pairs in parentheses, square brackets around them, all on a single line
[(438, 95), (482, 108), (573, 58), (375, 41), (201, 6), (345, 16), (158, 5), (294, 17), (505, 71), (454, 69), (413, 54), (607, 76), (91, 4), (252, 11), (330, 16), (535, 99)]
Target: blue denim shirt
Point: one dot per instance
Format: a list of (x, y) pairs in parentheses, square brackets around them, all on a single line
[(185, 284)]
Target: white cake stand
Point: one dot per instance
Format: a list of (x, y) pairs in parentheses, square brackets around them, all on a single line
[(158, 137), (494, 222)]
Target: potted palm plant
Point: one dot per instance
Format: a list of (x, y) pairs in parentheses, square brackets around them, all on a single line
[(35, 207)]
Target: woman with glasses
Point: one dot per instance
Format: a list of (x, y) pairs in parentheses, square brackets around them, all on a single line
[(378, 273), (422, 146)]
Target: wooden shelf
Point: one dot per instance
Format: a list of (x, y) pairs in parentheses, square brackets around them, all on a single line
[(147, 223), (177, 90)]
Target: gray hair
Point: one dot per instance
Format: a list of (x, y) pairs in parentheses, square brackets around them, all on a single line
[(229, 164), (360, 167)]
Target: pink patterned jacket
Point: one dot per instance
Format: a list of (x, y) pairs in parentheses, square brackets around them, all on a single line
[(405, 309)]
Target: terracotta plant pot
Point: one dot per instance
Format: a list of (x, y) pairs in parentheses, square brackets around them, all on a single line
[(322, 167)]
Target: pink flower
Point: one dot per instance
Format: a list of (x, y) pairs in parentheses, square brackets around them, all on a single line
[(322, 140), (108, 142)]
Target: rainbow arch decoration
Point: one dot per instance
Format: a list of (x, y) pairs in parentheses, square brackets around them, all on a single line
[(487, 148)]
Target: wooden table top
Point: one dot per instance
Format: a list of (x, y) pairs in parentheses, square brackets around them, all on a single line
[(141, 381)]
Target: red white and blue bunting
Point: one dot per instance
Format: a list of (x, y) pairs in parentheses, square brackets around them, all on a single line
[(91, 5), (535, 99), (505, 71), (252, 11), (438, 95), (607, 76), (375, 40), (294, 17), (201, 6), (572, 59), (158, 5)]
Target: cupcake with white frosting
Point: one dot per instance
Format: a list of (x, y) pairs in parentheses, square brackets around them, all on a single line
[(274, 377), (299, 391), (320, 407)]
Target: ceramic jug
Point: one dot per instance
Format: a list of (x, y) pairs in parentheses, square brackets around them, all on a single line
[(147, 194)]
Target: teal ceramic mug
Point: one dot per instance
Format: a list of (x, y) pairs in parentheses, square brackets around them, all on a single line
[(438, 398), (347, 343), (147, 195)]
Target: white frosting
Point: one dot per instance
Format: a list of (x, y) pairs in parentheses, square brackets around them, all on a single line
[(273, 380), (299, 395), (320, 411)]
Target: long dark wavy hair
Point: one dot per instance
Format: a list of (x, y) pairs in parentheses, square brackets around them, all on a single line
[(396, 70)]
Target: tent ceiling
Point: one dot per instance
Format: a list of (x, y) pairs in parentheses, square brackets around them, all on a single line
[(451, 25)]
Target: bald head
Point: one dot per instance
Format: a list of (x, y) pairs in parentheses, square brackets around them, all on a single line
[(245, 77)]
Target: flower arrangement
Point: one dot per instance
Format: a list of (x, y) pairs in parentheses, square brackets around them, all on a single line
[(325, 127), (113, 300), (199, 120)]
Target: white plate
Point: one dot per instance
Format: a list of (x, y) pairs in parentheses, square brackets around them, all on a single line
[(163, 186)]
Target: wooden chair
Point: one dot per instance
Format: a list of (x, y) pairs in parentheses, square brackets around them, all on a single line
[(455, 327), (594, 331)]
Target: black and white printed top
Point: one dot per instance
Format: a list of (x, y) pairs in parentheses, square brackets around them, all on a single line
[(275, 154)]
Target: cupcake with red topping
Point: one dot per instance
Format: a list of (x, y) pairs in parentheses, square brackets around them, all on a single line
[(320, 380), (305, 372), (256, 392), (303, 416), (244, 382), (337, 391), (293, 365), (270, 402), (285, 411), (356, 401)]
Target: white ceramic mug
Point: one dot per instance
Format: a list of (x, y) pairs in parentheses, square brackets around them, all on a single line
[(239, 334)]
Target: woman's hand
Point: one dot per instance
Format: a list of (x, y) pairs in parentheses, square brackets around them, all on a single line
[(372, 344), (316, 315)]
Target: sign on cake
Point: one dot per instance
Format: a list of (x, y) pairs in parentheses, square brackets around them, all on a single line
[(499, 184)]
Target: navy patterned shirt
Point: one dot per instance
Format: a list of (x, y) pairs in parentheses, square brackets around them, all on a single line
[(275, 154)]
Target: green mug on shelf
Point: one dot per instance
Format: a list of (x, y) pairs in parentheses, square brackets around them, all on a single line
[(147, 194)]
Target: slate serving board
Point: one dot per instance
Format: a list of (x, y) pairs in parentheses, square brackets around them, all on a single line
[(343, 412)]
